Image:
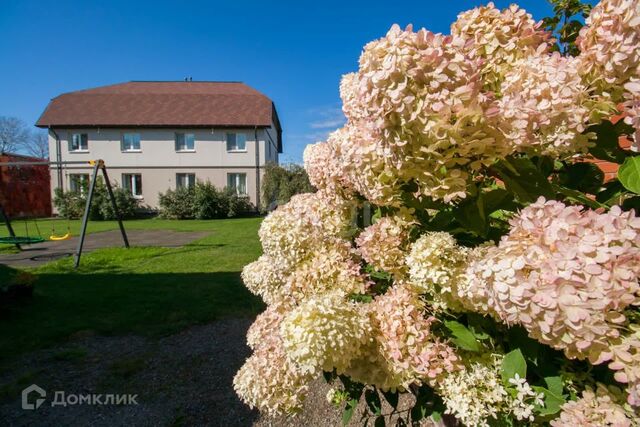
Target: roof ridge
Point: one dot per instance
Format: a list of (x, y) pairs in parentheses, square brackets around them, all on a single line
[(185, 81)]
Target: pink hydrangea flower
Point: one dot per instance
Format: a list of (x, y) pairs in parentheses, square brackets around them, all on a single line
[(567, 275), (404, 333)]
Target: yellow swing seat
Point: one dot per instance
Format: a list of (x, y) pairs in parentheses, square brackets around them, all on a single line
[(64, 237)]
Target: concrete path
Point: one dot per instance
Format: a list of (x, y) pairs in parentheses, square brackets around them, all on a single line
[(41, 253)]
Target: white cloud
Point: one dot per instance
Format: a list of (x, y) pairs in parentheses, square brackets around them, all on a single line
[(327, 117), (329, 123), (312, 136)]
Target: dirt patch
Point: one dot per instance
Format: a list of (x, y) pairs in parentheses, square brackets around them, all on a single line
[(183, 379)]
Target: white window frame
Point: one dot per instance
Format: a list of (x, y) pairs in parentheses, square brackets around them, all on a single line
[(190, 179), (132, 186), (81, 149), (236, 182), (131, 150), (236, 149), (82, 179), (184, 139)]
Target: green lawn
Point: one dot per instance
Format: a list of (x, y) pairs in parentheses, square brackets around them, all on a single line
[(150, 291)]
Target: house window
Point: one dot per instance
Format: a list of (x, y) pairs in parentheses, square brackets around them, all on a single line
[(79, 142), (132, 182), (185, 142), (238, 182), (236, 142), (187, 180), (131, 142), (78, 182)]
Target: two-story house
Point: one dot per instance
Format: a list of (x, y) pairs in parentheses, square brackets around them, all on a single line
[(154, 136)]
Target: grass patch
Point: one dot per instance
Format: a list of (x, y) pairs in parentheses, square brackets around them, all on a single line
[(149, 291)]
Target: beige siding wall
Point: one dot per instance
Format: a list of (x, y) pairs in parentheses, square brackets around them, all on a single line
[(158, 161)]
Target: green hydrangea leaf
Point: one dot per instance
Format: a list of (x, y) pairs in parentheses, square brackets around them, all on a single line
[(629, 174), (513, 364), (462, 336)]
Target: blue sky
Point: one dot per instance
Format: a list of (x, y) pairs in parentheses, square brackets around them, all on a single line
[(294, 52)]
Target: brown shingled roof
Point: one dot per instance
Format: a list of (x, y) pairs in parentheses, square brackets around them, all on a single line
[(179, 104)]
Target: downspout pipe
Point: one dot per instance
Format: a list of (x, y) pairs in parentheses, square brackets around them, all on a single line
[(255, 131), (58, 157)]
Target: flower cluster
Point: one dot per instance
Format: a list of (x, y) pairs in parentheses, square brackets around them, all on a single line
[(566, 275), (331, 266), (325, 332), (325, 171), (291, 232), (404, 333), (609, 41), (264, 277), (421, 117), (367, 167), (595, 408), (436, 263), (544, 105), (501, 38), (383, 244), (610, 53), (268, 380), (632, 104), (475, 393), (525, 400), (625, 360)]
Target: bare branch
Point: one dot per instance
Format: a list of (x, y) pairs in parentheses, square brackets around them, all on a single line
[(13, 134), (38, 144)]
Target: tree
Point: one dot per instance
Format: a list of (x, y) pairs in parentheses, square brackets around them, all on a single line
[(37, 145), (282, 182), (13, 134), (566, 23)]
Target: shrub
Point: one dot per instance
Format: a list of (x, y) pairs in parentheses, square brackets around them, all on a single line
[(177, 204), (71, 204), (237, 205), (127, 205), (68, 203), (203, 201), (498, 282), (209, 202)]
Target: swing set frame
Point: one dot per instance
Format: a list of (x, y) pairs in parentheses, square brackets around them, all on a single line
[(98, 165)]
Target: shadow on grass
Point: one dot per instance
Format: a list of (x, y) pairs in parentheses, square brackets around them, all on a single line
[(189, 375), (115, 303)]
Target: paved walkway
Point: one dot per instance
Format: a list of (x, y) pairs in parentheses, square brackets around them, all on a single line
[(41, 253)]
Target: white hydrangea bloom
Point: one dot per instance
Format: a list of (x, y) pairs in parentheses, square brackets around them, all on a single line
[(326, 331), (436, 263), (475, 394)]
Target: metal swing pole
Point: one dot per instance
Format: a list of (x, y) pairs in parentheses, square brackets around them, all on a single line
[(85, 217), (98, 165), (9, 226), (114, 204)]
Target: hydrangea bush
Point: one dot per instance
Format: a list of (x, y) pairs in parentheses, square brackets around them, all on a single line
[(462, 249)]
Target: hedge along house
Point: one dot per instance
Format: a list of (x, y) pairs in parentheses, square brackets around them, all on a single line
[(155, 136)]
